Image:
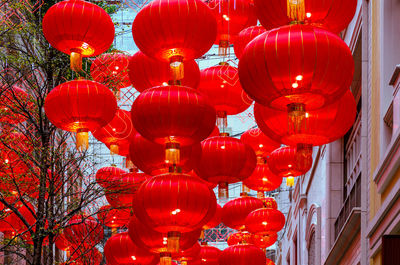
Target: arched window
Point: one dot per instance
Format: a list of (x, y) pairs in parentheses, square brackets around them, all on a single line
[(311, 250)]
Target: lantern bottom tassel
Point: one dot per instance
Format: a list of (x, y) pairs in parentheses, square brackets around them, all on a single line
[(165, 258), (177, 68), (296, 10), (76, 61), (290, 181), (173, 241), (172, 153), (223, 47), (223, 190), (82, 139), (114, 149)]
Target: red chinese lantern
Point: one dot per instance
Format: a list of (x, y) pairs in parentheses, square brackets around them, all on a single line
[(105, 174), (232, 16), (118, 132), (333, 15), (261, 144), (145, 72), (61, 242), (191, 254), (265, 241), (157, 242), (181, 30), (244, 37), (120, 249), (85, 256), (318, 127), (221, 84), (270, 202), (263, 179), (209, 255), (240, 238), (216, 220), (113, 218), (122, 189), (174, 203), (81, 37), (296, 68), (149, 157), (111, 69), (83, 228), (173, 116), (223, 160), (235, 211), (242, 254), (80, 106), (264, 221), (10, 110)]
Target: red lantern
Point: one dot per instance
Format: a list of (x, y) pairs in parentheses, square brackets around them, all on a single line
[(80, 106), (157, 242), (83, 228), (263, 179), (235, 211), (191, 254), (264, 221), (221, 85), (270, 202), (62, 243), (261, 144), (174, 203), (244, 37), (232, 16), (334, 15), (105, 174), (85, 256), (209, 255), (241, 255), (223, 160), (145, 72), (216, 220), (122, 189), (113, 218), (265, 241), (10, 110), (240, 238), (120, 249), (181, 30), (149, 157), (318, 127), (81, 37), (118, 132), (296, 67), (111, 69)]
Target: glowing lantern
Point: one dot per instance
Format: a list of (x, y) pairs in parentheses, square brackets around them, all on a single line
[(173, 116), (263, 179), (240, 238), (209, 255), (296, 68), (265, 241), (118, 132), (235, 211), (81, 37), (261, 144), (334, 15), (173, 204), (244, 37), (181, 30), (111, 69), (145, 72), (80, 106), (105, 174), (265, 220), (191, 254), (216, 220), (83, 228), (241, 255), (113, 218)]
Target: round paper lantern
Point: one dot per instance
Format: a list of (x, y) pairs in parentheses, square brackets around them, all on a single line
[(296, 68), (240, 238), (81, 37), (263, 179), (121, 249), (174, 203), (223, 160), (145, 72), (221, 84), (216, 220), (265, 241), (111, 69), (10, 98), (232, 16), (261, 144), (80, 106), (270, 202), (287, 162), (334, 15), (105, 174), (122, 189), (264, 221), (244, 37), (181, 30), (84, 255), (149, 157), (113, 218), (83, 228), (118, 132), (191, 254), (318, 127), (235, 211), (242, 254), (209, 255)]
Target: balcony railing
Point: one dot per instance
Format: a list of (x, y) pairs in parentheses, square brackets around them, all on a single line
[(352, 201)]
